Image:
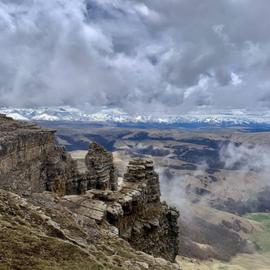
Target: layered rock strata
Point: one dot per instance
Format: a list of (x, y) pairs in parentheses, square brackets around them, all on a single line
[(99, 162), (141, 218), (42, 233), (30, 161), (32, 165), (100, 173)]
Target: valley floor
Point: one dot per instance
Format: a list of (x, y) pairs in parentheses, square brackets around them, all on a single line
[(241, 262)]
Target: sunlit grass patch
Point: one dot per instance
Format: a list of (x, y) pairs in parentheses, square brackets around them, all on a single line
[(261, 238)]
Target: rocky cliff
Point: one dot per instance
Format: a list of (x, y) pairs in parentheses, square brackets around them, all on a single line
[(138, 213), (30, 160), (99, 163), (60, 209)]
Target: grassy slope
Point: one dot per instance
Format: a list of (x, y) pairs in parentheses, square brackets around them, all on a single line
[(257, 261), (261, 238), (20, 248), (39, 238)]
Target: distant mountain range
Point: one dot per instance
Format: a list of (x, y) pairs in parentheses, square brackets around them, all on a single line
[(194, 119)]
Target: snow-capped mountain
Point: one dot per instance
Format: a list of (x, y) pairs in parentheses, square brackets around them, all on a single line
[(115, 115)]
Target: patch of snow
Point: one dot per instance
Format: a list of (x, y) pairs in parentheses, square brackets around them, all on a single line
[(116, 115), (45, 117), (17, 116)]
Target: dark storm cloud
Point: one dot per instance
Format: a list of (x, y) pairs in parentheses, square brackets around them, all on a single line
[(153, 56)]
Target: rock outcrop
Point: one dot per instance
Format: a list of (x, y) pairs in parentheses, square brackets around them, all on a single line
[(135, 210), (84, 209), (139, 214), (30, 160), (100, 174), (41, 233), (99, 162)]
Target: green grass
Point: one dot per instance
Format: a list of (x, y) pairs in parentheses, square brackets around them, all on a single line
[(261, 238), (259, 217)]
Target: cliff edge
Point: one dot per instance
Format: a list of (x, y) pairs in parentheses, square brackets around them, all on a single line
[(54, 217)]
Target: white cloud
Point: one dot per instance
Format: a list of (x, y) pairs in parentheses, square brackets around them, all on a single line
[(154, 56), (236, 80)]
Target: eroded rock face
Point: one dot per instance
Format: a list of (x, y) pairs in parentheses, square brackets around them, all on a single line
[(154, 226), (31, 163), (41, 232), (29, 159), (142, 171), (136, 210), (99, 163)]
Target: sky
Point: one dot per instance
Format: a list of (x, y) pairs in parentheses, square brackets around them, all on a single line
[(150, 56)]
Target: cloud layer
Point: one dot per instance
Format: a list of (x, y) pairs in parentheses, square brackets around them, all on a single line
[(152, 56)]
